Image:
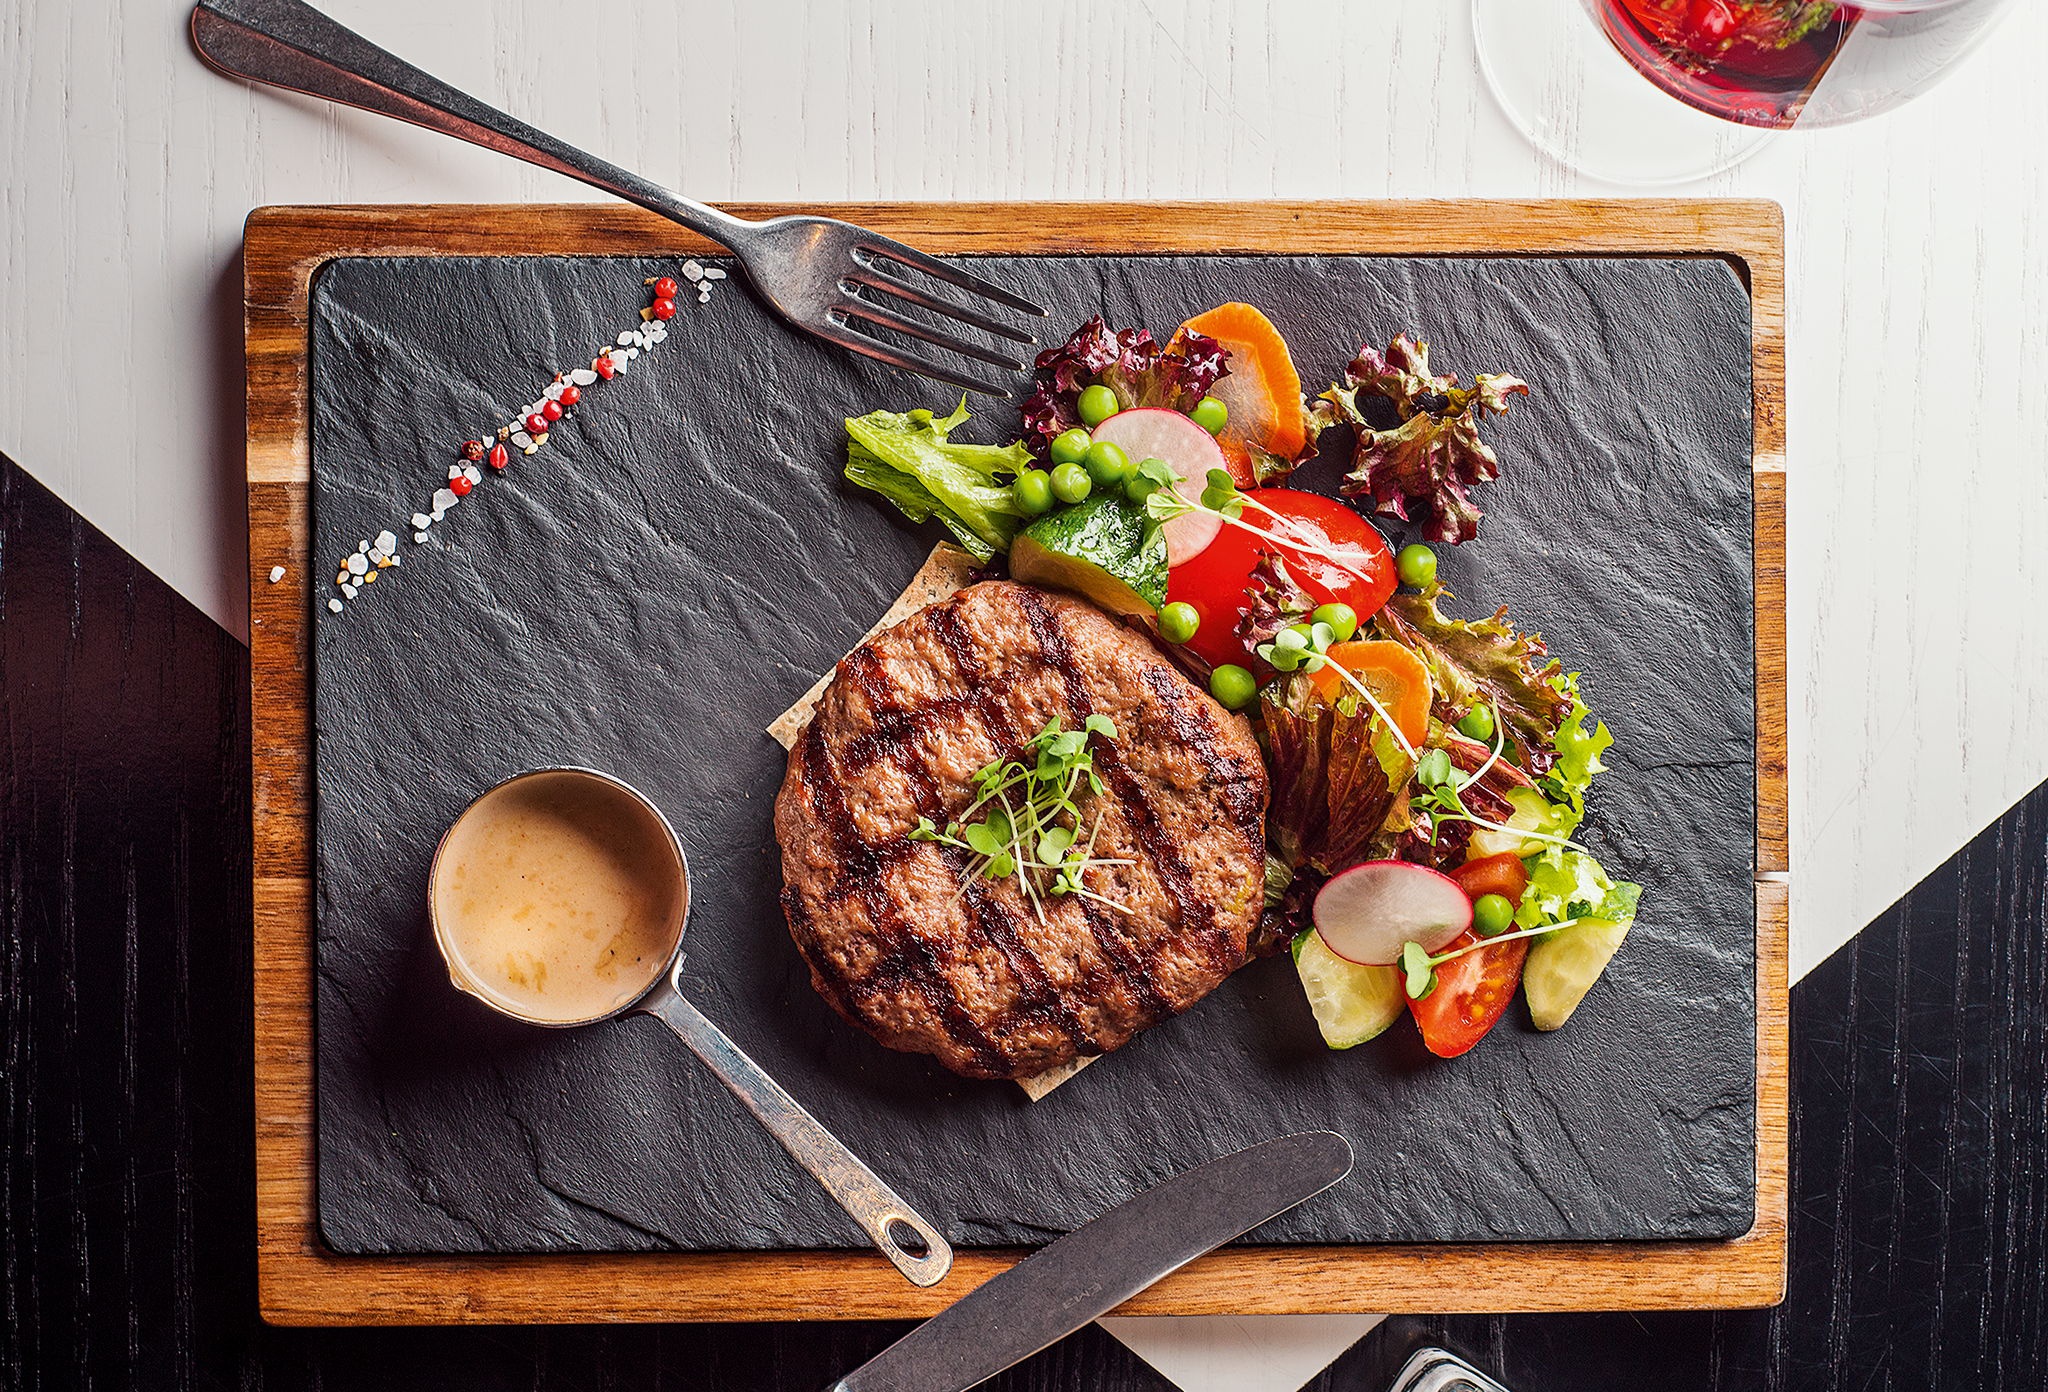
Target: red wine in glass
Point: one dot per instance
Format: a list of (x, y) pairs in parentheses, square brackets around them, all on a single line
[(1774, 63)]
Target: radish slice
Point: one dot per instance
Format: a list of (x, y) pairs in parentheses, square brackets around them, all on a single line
[(1365, 914), (1153, 432)]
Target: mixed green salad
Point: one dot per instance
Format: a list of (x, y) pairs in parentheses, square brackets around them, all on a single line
[(1429, 774)]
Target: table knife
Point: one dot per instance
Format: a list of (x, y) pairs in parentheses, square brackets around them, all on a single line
[(1103, 1263)]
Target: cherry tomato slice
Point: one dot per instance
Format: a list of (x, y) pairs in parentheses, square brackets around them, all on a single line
[(1472, 993), (1213, 581), (1502, 874)]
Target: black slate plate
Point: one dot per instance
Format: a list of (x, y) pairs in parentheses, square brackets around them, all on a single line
[(682, 560)]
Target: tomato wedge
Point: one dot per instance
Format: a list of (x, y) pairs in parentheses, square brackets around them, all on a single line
[(1213, 580), (1472, 993), (1502, 874), (1262, 390), (1394, 675)]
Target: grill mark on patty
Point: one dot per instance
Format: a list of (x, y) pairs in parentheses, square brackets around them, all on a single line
[(1192, 727), (1110, 940), (1167, 866), (910, 961), (1037, 1000)]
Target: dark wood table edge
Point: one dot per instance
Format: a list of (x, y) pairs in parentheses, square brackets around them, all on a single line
[(301, 1282)]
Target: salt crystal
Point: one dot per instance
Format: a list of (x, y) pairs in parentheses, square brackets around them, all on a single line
[(398, 560), (692, 271), (376, 556), (349, 590), (454, 471), (624, 338), (554, 391), (335, 605), (632, 353), (276, 574), (362, 546), (357, 564), (583, 376), (440, 513), (704, 295), (421, 521), (713, 273), (387, 541), (473, 474), (521, 439), (444, 498), (420, 538)]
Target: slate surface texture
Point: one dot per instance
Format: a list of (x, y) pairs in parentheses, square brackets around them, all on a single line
[(682, 560)]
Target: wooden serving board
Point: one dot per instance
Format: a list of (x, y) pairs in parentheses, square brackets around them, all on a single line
[(304, 1281)]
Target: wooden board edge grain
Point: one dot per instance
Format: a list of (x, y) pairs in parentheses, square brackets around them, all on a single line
[(301, 1282)]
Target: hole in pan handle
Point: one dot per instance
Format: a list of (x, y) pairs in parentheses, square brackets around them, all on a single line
[(897, 1230)]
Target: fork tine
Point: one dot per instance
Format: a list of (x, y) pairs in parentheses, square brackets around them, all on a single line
[(868, 313), (889, 285), (952, 275), (845, 337)]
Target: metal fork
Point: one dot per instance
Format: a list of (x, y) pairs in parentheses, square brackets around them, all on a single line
[(827, 277)]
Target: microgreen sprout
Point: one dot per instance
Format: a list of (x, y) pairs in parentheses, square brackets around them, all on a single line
[(1223, 500), (1306, 647), (1442, 797), (1024, 819), (1418, 967)]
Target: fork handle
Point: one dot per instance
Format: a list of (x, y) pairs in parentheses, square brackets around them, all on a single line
[(292, 45)]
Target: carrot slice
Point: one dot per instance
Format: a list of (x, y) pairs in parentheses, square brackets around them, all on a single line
[(1262, 392), (1392, 673)]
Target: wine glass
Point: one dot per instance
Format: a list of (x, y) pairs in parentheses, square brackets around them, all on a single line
[(1589, 81)]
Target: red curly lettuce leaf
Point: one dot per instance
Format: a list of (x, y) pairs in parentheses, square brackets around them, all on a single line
[(1273, 600), (1475, 662), (1339, 783), (1131, 363), (1423, 468), (1290, 902)]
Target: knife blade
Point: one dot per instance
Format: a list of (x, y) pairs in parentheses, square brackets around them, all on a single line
[(1103, 1263)]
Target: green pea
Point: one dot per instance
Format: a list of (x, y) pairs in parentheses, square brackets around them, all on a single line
[(1477, 723), (1492, 915), (1342, 619), (1210, 413), (1032, 492), (1097, 404), (1070, 447), (1107, 463), (1070, 483), (1233, 686), (1138, 488), (1178, 622), (1416, 565)]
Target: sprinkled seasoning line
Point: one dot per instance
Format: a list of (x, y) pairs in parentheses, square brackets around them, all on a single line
[(527, 433)]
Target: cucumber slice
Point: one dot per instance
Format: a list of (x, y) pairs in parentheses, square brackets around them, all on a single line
[(1351, 1003), (1532, 813), (1104, 548), (1563, 966)]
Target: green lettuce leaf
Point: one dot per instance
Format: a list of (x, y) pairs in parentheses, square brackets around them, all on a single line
[(908, 459), (1578, 750), (1566, 884), (1474, 662)]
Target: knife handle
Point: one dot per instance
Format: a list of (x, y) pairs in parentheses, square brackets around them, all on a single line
[(905, 1238)]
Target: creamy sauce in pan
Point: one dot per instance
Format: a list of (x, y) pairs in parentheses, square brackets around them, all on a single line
[(558, 898)]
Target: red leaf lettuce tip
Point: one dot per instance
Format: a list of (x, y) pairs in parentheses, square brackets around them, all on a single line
[(1422, 469), (1131, 363)]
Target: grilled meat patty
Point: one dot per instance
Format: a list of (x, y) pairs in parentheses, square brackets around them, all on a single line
[(966, 969)]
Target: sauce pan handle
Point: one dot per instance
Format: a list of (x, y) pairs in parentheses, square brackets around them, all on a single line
[(902, 1236)]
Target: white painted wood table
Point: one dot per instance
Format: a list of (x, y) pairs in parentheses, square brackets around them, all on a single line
[(1917, 273)]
